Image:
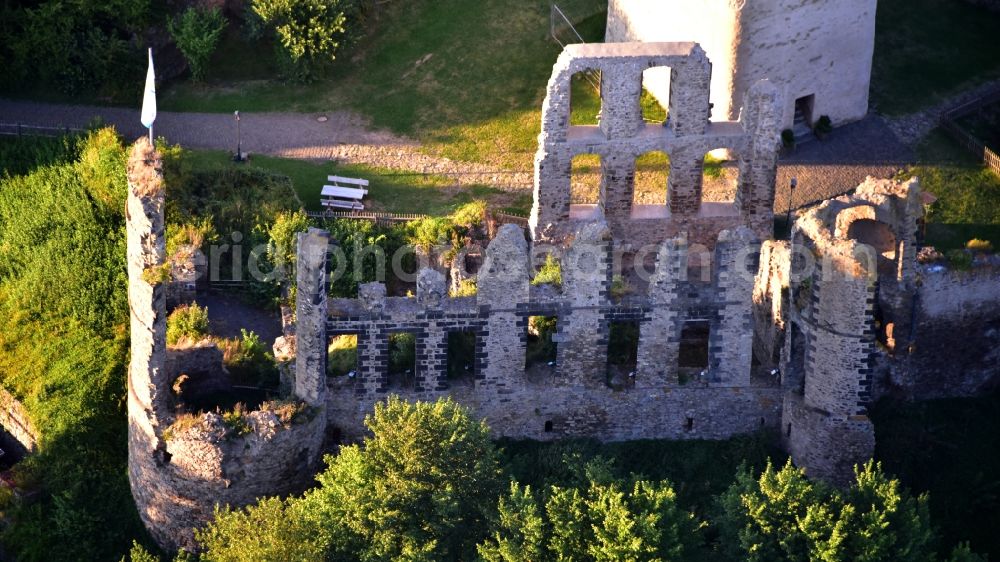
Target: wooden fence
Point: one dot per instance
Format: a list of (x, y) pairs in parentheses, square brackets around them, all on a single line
[(389, 218), (949, 123), (22, 130)]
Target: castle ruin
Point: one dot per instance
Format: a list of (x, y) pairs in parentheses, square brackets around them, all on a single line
[(818, 54), (794, 336)]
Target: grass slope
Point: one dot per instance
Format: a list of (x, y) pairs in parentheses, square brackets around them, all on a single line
[(927, 49), (392, 191)]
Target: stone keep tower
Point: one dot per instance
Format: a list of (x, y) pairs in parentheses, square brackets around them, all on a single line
[(817, 52)]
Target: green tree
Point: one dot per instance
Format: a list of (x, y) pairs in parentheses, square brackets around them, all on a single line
[(309, 31), (782, 515), (423, 487), (196, 32), (520, 529), (272, 530)]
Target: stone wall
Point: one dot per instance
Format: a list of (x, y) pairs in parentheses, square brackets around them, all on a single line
[(622, 136), (574, 398), (15, 422), (804, 47), (956, 347), (182, 467)]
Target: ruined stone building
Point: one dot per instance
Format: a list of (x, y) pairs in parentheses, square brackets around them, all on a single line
[(796, 336), (818, 53)]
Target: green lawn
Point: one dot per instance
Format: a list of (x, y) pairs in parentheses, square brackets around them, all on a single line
[(968, 193), (465, 76), (392, 191), (927, 49)]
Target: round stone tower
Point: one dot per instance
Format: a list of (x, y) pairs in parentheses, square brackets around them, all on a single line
[(179, 472), (818, 54)]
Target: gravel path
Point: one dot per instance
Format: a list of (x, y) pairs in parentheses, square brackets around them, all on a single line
[(824, 169), (345, 136)]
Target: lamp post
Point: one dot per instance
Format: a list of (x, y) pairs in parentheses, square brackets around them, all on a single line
[(239, 140), (788, 216)]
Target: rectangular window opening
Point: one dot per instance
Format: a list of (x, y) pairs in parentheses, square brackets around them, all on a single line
[(402, 367), (461, 356), (693, 352), (342, 356), (541, 349), (623, 354)]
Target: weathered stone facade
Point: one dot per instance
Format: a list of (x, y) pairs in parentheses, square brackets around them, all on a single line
[(622, 136), (574, 398), (178, 474), (15, 422), (821, 49)]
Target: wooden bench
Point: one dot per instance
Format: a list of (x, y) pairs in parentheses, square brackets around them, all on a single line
[(340, 196)]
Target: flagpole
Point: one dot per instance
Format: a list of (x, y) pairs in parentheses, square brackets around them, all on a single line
[(148, 114)]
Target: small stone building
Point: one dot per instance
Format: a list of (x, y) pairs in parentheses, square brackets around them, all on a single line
[(818, 53)]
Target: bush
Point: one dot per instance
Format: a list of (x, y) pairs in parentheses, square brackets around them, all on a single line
[(430, 232), (471, 214), (823, 125), (308, 31), (187, 322), (250, 361), (402, 352), (960, 260), (788, 138), (197, 32), (466, 288), (550, 272), (197, 233), (977, 245)]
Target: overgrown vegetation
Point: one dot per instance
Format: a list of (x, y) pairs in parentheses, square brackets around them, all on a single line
[(429, 485), (549, 273), (967, 192), (196, 32), (63, 348), (187, 322)]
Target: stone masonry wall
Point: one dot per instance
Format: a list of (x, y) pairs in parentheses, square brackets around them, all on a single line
[(181, 469), (622, 136), (574, 399), (15, 421), (956, 348), (804, 47)]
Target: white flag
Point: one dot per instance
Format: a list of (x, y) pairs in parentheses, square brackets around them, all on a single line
[(149, 98)]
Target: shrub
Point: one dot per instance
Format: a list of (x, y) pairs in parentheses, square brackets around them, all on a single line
[(550, 272), (470, 214), (187, 322), (960, 260), (283, 244), (289, 411), (309, 32), (823, 125), (196, 32), (196, 233), (977, 245), (466, 288), (429, 232), (620, 287), (788, 138), (249, 360), (272, 529), (236, 421), (402, 352)]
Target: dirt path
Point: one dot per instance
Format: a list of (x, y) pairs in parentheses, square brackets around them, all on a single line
[(344, 136), (823, 169)]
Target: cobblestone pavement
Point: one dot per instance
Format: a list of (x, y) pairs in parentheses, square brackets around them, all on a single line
[(823, 168)]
